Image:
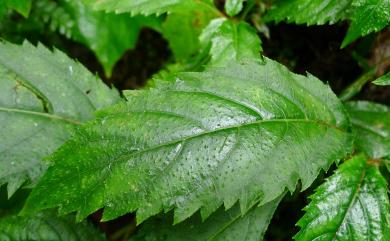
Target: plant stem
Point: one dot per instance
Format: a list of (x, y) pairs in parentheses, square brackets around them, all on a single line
[(357, 85)]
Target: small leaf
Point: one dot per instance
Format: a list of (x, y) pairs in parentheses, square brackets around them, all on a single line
[(233, 7), (182, 30), (21, 6), (352, 204), (368, 16), (46, 226), (383, 80), (371, 124), (41, 103), (229, 41), (198, 142), (222, 225)]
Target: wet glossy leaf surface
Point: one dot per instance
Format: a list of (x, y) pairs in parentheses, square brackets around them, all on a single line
[(371, 124), (229, 41), (148, 7), (352, 204), (43, 96), (198, 142)]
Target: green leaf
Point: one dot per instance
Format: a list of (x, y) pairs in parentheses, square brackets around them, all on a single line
[(233, 7), (366, 16), (383, 80), (147, 7), (230, 41), (21, 6), (352, 204), (43, 96), (182, 30), (371, 124), (222, 225), (108, 35), (46, 226), (369, 16), (199, 141), (310, 12)]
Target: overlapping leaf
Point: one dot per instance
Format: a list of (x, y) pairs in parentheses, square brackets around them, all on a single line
[(182, 30), (366, 16), (147, 7), (352, 205), (21, 6), (229, 41), (222, 225), (46, 226), (108, 35), (310, 11), (383, 80), (43, 96), (233, 7), (371, 124), (243, 132)]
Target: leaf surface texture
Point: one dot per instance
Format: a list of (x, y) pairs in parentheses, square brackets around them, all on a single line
[(197, 141), (371, 124), (43, 96), (352, 204)]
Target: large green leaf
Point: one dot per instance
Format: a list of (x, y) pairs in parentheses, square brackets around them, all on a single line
[(200, 140), (383, 80), (371, 124), (46, 227), (230, 41), (147, 7), (222, 225), (352, 204), (43, 96)]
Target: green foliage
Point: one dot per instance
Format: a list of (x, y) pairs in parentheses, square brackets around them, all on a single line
[(233, 7), (21, 6), (209, 148), (147, 7), (97, 30), (182, 30), (366, 16), (229, 41), (383, 80), (353, 204), (371, 124), (170, 156), (41, 103), (46, 226), (222, 225)]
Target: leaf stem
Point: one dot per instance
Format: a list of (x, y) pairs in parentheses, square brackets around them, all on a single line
[(357, 85)]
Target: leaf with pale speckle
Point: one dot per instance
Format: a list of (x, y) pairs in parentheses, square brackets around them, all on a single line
[(43, 96), (353, 204), (197, 142)]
